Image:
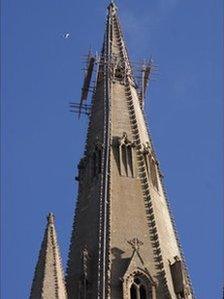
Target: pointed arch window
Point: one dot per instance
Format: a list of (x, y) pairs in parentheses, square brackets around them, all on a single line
[(142, 291), (123, 164), (119, 73), (140, 288), (150, 166), (153, 171), (119, 69), (146, 159), (129, 160), (134, 291), (126, 157)]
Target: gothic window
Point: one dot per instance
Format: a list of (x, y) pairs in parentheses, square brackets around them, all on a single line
[(134, 291), (123, 160), (126, 160), (153, 172), (129, 160), (140, 289), (126, 154), (119, 73), (146, 159)]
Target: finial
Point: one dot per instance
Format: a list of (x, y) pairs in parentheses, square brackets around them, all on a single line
[(112, 7), (50, 218), (135, 244)]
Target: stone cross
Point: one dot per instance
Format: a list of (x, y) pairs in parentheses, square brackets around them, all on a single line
[(135, 244)]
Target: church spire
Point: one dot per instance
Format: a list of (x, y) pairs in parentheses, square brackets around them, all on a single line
[(121, 195), (48, 282)]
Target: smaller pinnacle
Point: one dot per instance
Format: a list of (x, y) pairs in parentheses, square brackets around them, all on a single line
[(50, 218), (48, 281)]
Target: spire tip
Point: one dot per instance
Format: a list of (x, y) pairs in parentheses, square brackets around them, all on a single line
[(50, 218), (112, 6)]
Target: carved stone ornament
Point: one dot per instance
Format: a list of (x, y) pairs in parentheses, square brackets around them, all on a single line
[(149, 283), (137, 270), (146, 148), (135, 244), (124, 140)]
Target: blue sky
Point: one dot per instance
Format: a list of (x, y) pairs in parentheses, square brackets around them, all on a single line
[(42, 142)]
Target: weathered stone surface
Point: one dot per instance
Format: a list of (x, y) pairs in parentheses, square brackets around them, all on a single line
[(48, 282), (122, 202), (123, 242)]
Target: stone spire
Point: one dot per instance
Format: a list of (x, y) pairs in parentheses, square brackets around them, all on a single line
[(121, 195), (48, 282)]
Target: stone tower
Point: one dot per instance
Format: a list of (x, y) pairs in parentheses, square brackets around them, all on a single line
[(124, 243)]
